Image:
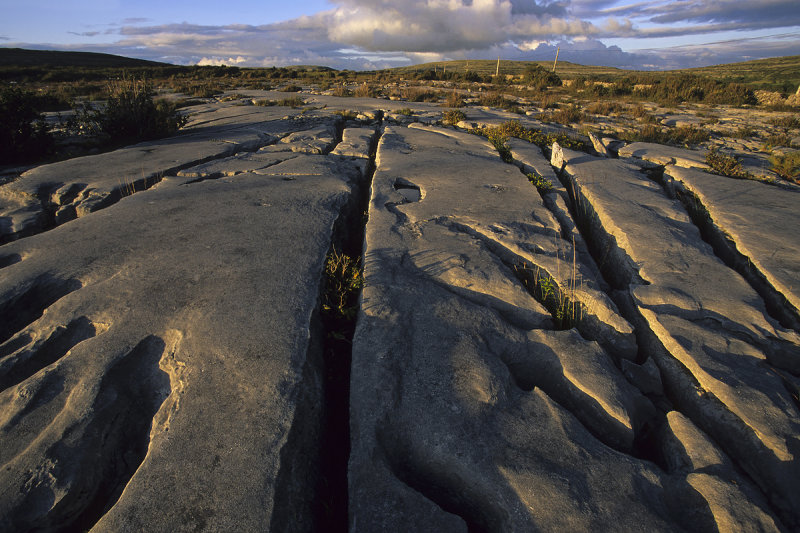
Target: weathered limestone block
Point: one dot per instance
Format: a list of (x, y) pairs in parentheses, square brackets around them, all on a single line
[(754, 225), (665, 155), (160, 365), (318, 140), (719, 352), (458, 404), (356, 142), (83, 185)]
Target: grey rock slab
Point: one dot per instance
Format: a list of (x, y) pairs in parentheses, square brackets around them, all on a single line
[(665, 155), (79, 186), (733, 500), (238, 164), (755, 223), (718, 350), (168, 346), (318, 140), (536, 251), (507, 428), (356, 142)]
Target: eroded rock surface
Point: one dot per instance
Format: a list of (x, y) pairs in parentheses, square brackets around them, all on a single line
[(568, 360)]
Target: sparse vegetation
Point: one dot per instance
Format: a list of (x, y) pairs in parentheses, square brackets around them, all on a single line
[(776, 139), (130, 114), (568, 114), (343, 281), (786, 166), (23, 133), (680, 136), (561, 302), (541, 183), (726, 165), (453, 116)]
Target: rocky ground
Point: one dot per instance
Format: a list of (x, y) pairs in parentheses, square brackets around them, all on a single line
[(617, 352)]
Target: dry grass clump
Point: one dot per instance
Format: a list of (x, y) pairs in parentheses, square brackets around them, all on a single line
[(605, 107), (567, 114), (365, 91), (454, 100), (453, 116), (419, 94), (786, 166)]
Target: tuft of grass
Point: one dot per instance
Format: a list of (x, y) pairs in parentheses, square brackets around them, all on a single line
[(605, 107), (498, 135), (777, 139), (454, 100), (568, 114), (346, 114), (453, 116), (566, 310), (790, 121), (745, 132), (786, 166), (343, 281), (541, 183), (405, 111), (290, 89), (726, 165), (365, 91)]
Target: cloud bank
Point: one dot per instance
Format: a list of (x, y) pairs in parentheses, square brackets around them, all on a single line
[(362, 34)]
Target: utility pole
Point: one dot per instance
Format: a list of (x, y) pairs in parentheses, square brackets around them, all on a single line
[(497, 71), (556, 61)]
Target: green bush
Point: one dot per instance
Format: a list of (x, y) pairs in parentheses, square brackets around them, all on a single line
[(23, 133), (726, 165), (453, 116), (540, 78), (131, 114)]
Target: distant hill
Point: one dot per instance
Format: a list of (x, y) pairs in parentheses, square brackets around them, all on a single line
[(775, 72), (18, 57), (489, 66)]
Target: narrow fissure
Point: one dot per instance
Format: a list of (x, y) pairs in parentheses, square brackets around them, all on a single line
[(340, 300), (678, 380), (726, 250)]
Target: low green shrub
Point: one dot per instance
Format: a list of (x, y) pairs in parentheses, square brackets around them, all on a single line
[(23, 134), (131, 114), (727, 165), (541, 183), (453, 116)]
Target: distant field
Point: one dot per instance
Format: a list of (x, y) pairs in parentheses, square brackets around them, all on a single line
[(773, 73), (483, 67), (780, 73)]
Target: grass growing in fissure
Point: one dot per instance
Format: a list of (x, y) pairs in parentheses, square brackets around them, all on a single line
[(561, 303), (541, 183), (343, 282)]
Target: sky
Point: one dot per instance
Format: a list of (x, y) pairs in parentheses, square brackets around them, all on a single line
[(373, 34)]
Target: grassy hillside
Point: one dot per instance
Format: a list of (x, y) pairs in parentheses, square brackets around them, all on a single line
[(773, 72), (485, 67), (779, 73), (19, 57)]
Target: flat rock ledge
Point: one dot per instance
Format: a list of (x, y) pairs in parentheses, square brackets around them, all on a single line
[(619, 352)]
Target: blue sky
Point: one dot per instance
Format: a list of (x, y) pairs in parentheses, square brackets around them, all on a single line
[(367, 34)]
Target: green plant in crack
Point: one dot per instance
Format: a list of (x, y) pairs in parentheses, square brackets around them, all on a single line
[(541, 183), (343, 282), (561, 303)]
